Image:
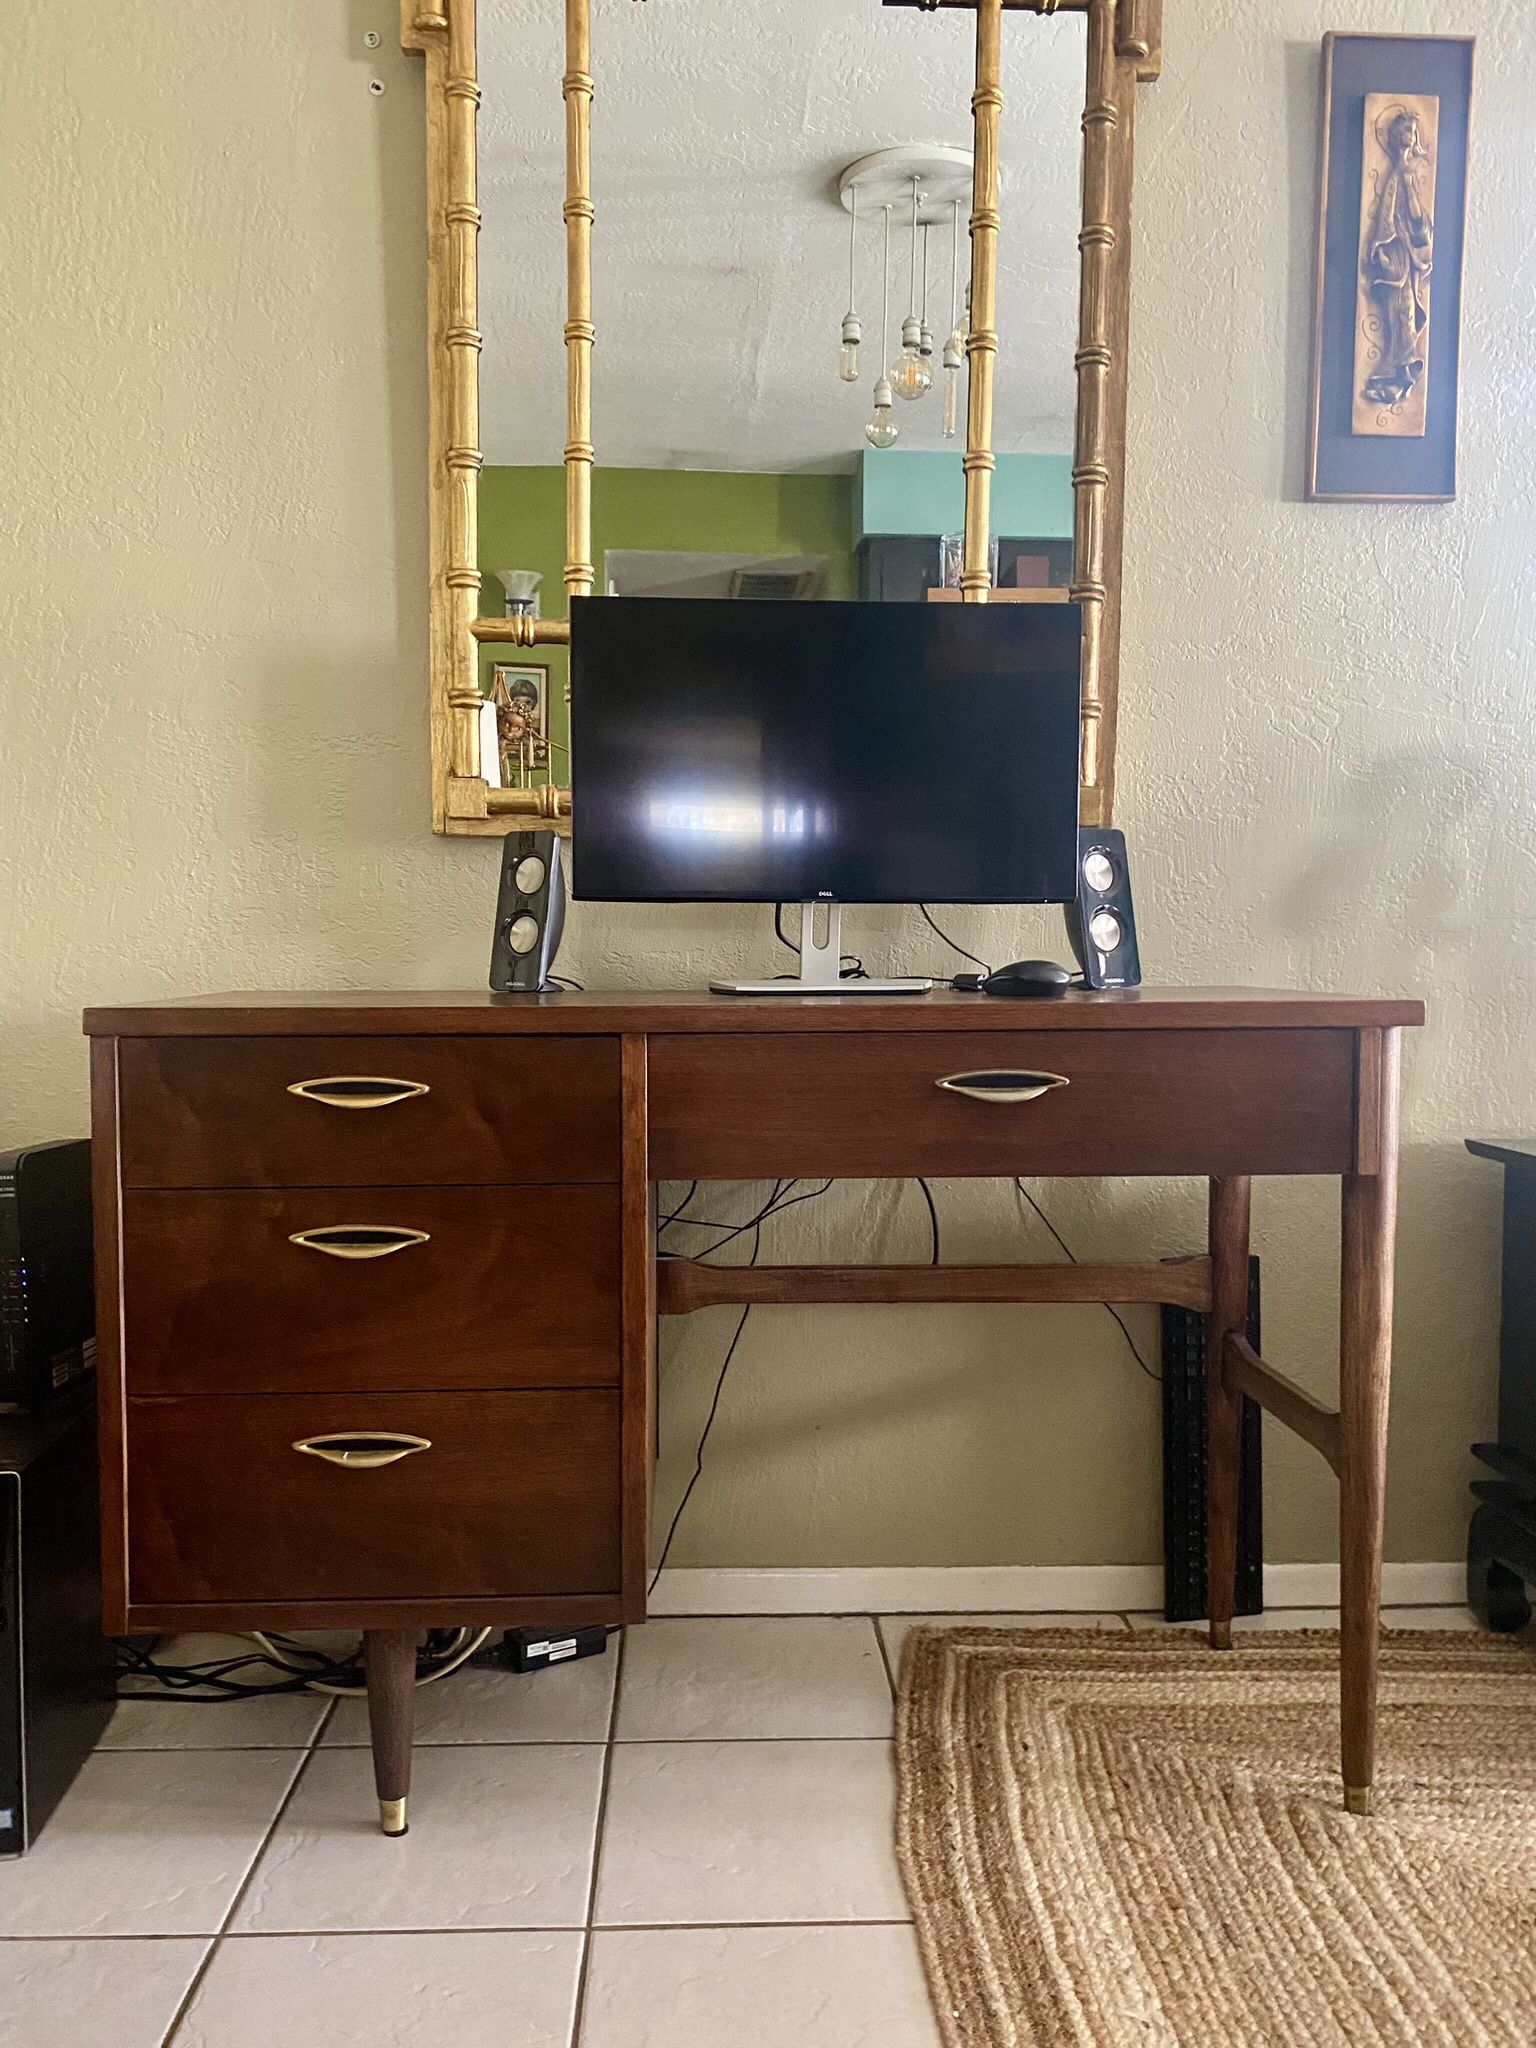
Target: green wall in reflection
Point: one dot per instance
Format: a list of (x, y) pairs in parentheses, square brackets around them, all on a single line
[(522, 526)]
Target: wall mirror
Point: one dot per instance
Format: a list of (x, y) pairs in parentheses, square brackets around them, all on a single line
[(694, 275)]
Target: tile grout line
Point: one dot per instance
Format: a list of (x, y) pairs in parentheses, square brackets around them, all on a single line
[(708, 1927), (622, 1742), (167, 2039), (238, 1934), (583, 1969), (721, 1741), (885, 1654), (1065, 1615)]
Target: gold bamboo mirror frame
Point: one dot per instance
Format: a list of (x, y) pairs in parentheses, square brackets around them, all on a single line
[(1123, 48)]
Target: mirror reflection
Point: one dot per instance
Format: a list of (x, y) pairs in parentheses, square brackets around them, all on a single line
[(770, 396)]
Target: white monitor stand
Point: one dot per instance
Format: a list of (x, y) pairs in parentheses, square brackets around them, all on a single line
[(821, 967)]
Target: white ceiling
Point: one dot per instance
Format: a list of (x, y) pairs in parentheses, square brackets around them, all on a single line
[(720, 250)]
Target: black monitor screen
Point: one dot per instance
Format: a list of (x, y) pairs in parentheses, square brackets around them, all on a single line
[(762, 752)]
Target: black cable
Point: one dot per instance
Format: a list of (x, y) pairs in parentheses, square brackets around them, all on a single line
[(775, 1206), (933, 1218), (953, 944), (1050, 1226), (693, 1189), (849, 967), (777, 1203), (734, 1230), (709, 1423), (698, 1461), (213, 1682), (1107, 1306), (1110, 1309)]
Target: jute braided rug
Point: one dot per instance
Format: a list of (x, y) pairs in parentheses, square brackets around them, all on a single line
[(1127, 1841)]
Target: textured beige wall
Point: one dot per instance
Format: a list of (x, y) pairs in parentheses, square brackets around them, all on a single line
[(212, 620)]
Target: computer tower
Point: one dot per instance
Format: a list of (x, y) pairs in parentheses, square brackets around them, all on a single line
[(47, 1304), (57, 1670)]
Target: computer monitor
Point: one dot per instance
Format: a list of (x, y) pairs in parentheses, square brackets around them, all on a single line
[(785, 752), (768, 752)]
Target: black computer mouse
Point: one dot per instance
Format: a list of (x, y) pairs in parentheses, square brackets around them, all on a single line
[(1027, 978)]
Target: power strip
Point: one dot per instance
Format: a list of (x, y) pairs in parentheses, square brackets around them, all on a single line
[(536, 1649)]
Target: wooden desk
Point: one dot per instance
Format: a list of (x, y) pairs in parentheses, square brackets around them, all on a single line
[(445, 1270)]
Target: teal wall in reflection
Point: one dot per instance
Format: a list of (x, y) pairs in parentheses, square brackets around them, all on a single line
[(922, 490)]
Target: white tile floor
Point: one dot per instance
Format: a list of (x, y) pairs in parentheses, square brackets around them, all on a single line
[(685, 1843)]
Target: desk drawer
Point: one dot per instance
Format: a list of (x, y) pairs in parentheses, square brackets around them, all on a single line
[(516, 1494), (869, 1104), (395, 1287), (221, 1112)]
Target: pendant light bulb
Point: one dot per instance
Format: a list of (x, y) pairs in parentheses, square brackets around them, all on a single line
[(954, 348), (927, 340), (881, 431), (848, 354), (912, 372), (954, 356), (853, 327)]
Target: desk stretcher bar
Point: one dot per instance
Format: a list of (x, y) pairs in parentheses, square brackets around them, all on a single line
[(683, 1285)]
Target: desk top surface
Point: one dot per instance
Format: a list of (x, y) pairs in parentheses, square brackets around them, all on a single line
[(471, 1012)]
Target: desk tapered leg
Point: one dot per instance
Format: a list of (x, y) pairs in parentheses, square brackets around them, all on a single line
[(389, 1665), (1365, 1371), (1224, 1410)]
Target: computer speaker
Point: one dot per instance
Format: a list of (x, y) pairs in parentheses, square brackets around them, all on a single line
[(530, 913), (1101, 924)]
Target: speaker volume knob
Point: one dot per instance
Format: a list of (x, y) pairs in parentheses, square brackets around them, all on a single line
[(523, 934), (1099, 872)]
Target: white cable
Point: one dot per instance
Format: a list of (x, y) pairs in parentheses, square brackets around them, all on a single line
[(885, 304), (954, 268), (469, 1641)]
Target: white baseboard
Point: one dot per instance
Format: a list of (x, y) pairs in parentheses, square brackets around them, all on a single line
[(1402, 1585), (1014, 1589)]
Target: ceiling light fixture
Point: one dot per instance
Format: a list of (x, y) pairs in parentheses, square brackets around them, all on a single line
[(929, 181)]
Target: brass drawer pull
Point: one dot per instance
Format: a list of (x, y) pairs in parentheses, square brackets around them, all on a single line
[(1006, 1085), (363, 1450), (357, 1091), (358, 1240)]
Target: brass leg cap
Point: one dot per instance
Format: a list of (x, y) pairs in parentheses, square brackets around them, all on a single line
[(392, 1817), (1221, 1635), (1359, 1799)]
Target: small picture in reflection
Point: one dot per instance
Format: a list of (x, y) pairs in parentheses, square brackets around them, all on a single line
[(520, 693)]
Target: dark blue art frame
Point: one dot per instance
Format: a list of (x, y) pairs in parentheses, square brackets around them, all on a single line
[(1344, 467)]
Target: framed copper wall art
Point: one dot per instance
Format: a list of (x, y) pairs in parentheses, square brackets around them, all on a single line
[(1386, 349)]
